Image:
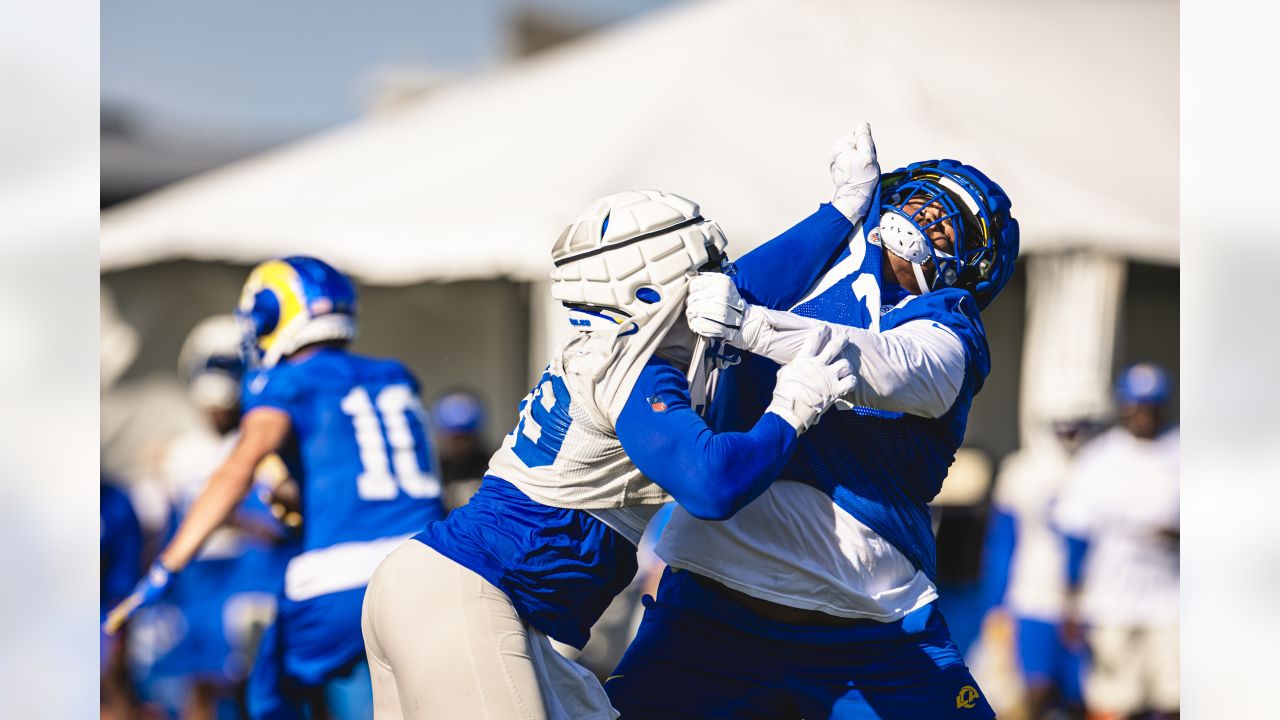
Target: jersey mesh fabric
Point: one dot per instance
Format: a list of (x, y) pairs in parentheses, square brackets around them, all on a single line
[(881, 467), (559, 454)]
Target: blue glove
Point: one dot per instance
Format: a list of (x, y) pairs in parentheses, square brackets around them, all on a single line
[(147, 591)]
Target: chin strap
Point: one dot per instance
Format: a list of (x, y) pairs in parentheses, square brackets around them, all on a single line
[(920, 281)]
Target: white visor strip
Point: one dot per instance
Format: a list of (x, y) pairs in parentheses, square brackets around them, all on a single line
[(959, 192)]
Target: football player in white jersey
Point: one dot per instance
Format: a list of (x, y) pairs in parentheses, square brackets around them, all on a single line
[(456, 623), (816, 600), (1119, 512), (1024, 570)]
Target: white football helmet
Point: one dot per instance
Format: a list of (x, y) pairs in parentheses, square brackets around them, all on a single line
[(626, 251), (211, 365)]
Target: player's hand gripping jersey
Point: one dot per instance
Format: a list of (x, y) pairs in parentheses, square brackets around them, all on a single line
[(607, 435), (815, 599), (609, 429), (880, 457)]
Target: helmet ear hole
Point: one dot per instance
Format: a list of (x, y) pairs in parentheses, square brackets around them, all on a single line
[(648, 294), (265, 313)]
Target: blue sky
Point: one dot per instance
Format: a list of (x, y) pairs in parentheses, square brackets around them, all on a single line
[(266, 71)]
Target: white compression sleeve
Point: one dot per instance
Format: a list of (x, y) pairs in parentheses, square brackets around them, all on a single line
[(915, 368)]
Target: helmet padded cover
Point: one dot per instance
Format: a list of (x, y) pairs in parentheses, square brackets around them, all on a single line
[(617, 246)]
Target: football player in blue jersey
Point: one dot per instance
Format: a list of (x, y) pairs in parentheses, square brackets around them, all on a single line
[(350, 429), (817, 599), (457, 623)]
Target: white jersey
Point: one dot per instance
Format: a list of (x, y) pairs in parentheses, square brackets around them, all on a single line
[(793, 545), (561, 455), (1122, 497), (1027, 488), (565, 452)]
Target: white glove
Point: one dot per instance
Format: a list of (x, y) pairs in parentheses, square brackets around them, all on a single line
[(813, 381), (714, 309), (854, 170)]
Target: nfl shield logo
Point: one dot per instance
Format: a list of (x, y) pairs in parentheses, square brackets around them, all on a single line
[(656, 404)]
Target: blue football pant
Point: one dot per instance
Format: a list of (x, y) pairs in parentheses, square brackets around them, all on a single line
[(1045, 659), (311, 643), (699, 654)]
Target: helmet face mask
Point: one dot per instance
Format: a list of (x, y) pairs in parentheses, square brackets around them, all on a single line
[(1142, 383), (973, 208)]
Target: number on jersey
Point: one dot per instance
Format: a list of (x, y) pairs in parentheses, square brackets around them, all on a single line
[(544, 421), (383, 426)]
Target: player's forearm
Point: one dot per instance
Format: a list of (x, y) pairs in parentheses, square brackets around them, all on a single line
[(776, 334), (711, 475), (735, 468), (225, 490), (778, 273), (915, 369)]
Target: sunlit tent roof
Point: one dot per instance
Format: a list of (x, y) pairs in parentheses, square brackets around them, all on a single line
[(1072, 106)]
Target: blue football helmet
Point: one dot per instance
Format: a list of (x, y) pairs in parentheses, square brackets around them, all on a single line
[(1142, 383), (289, 303), (460, 411), (986, 235)]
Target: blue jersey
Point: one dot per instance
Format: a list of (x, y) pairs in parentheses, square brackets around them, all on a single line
[(559, 567), (359, 447), (881, 467)]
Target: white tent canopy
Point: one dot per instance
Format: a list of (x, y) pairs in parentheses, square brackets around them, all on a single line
[(1071, 106)]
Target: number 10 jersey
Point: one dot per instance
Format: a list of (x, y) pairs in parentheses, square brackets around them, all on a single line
[(359, 447)]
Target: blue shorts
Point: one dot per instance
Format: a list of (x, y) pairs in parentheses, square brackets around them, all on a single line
[(312, 642), (1046, 660), (701, 654)]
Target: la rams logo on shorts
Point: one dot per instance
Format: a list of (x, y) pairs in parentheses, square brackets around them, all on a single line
[(967, 697)]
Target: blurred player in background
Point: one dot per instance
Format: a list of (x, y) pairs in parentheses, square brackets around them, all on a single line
[(1024, 570), (351, 430), (459, 419), (120, 566), (1119, 512), (194, 649), (608, 435), (817, 599)]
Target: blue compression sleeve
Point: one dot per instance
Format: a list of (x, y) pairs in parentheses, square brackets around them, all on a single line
[(711, 475), (1002, 535), (1077, 548), (780, 272)]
